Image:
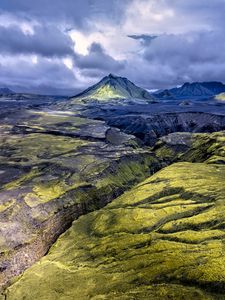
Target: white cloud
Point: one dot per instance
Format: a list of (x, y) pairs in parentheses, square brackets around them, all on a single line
[(9, 20)]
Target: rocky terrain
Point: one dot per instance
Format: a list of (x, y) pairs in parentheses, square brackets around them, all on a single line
[(150, 127), (112, 198)]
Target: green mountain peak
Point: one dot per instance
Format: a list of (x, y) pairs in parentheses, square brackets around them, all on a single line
[(114, 87)]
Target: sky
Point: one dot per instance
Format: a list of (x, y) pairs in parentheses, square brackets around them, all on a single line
[(63, 46)]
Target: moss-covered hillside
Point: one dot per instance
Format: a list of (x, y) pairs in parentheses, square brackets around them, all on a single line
[(163, 239), (54, 167)]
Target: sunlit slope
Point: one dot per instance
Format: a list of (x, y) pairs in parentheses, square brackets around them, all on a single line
[(220, 97), (113, 87), (163, 239)]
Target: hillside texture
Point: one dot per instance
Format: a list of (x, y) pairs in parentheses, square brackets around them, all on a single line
[(163, 239), (54, 168)]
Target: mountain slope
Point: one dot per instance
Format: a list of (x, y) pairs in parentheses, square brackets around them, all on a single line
[(113, 87), (195, 90), (165, 95), (5, 91)]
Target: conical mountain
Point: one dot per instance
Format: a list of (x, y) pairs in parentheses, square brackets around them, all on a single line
[(114, 87)]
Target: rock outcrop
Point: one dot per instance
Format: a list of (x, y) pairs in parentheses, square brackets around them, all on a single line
[(149, 128)]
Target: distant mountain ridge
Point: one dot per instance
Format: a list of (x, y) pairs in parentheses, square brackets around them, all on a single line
[(114, 87), (6, 91), (195, 90)]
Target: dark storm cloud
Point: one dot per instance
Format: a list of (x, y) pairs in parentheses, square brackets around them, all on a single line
[(171, 59), (193, 56), (33, 77), (46, 41), (212, 12), (67, 11), (54, 19), (98, 60), (170, 41)]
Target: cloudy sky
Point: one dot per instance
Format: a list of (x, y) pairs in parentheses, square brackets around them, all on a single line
[(63, 46)]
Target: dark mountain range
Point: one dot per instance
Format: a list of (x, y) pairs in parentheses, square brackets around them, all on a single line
[(5, 91), (195, 90)]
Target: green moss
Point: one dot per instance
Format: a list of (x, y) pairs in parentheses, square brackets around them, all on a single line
[(22, 179), (199, 147), (44, 193), (36, 148), (220, 97), (165, 152), (103, 93), (205, 146), (160, 240), (106, 92), (215, 159), (128, 171), (7, 205)]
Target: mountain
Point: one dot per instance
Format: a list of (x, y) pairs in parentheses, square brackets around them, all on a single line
[(166, 95), (5, 91), (195, 90), (114, 87), (161, 239)]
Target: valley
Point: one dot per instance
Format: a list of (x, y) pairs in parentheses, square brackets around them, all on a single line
[(99, 191)]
